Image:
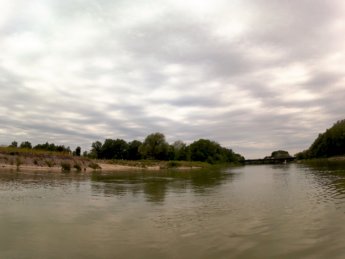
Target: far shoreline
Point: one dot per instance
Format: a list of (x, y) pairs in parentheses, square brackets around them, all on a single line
[(55, 162)]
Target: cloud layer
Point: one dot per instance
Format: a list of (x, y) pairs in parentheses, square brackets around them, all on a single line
[(256, 76)]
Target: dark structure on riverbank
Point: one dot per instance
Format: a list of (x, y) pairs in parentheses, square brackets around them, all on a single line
[(277, 157), (269, 161)]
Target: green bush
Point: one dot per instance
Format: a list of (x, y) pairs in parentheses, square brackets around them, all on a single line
[(49, 163), (94, 166), (77, 167), (66, 167), (172, 164)]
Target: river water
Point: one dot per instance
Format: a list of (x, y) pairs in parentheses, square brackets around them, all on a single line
[(267, 211)]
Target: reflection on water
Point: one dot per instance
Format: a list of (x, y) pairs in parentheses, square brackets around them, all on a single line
[(155, 185), (267, 211)]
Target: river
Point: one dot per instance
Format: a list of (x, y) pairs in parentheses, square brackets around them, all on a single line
[(266, 211)]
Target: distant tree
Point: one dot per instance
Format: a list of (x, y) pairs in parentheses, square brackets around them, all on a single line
[(114, 149), (205, 150), (181, 151), (26, 144), (154, 147), (52, 147), (303, 155), (280, 154), (14, 144), (96, 149), (327, 144), (120, 149), (133, 150), (171, 152), (77, 151)]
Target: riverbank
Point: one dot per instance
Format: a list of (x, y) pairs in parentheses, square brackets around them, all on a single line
[(326, 159), (332, 162), (33, 160)]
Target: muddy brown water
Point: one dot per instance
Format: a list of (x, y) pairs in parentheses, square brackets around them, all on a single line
[(266, 211)]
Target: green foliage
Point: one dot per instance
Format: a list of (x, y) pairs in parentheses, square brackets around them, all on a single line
[(280, 154), (205, 150), (25, 144), (52, 147), (49, 163), (32, 152), (65, 167), (328, 144), (14, 144), (77, 151), (154, 147), (94, 166), (180, 151), (172, 164), (95, 150), (114, 149), (133, 150)]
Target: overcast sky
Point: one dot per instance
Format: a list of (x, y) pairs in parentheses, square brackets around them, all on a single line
[(254, 75)]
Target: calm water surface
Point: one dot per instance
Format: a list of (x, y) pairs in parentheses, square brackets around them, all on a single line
[(287, 211)]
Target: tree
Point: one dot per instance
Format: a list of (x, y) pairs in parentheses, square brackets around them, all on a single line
[(26, 144), (120, 149), (154, 147), (114, 149), (280, 154), (180, 150), (133, 150), (205, 150), (14, 144), (327, 144), (77, 151), (96, 149), (52, 147)]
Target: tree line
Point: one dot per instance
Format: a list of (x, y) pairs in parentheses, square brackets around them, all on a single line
[(327, 144), (46, 147), (154, 147)]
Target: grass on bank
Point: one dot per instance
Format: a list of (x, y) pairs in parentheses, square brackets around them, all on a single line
[(53, 158), (331, 163), (161, 164), (339, 160), (33, 152)]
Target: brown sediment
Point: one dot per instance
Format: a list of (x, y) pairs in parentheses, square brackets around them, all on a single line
[(55, 163), (34, 162)]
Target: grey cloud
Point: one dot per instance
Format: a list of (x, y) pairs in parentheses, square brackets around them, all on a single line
[(323, 80), (297, 31), (300, 28), (180, 39)]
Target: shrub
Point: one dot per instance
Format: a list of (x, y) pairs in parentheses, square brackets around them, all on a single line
[(94, 166), (18, 162), (66, 167), (172, 164), (50, 163), (77, 167)]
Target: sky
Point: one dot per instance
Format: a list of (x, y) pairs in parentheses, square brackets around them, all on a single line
[(253, 75)]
